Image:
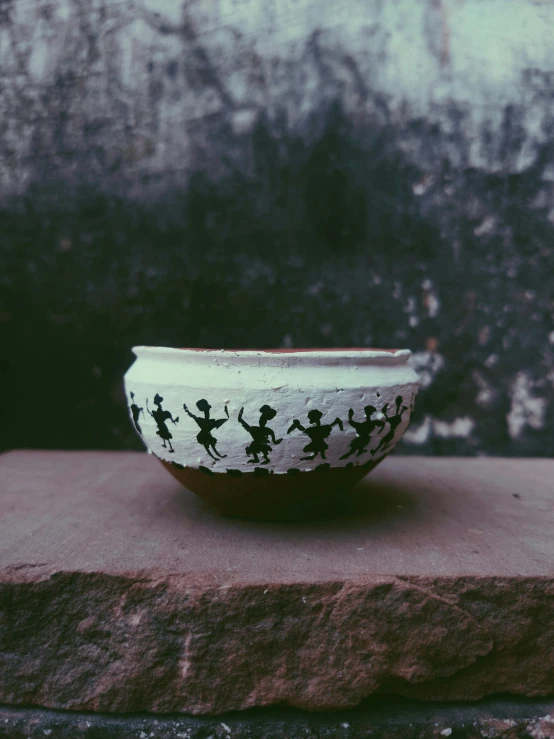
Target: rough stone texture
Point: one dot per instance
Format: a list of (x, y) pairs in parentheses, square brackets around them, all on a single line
[(120, 591), (385, 719), (230, 173)]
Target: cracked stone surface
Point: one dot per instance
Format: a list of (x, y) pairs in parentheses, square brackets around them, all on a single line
[(120, 591)]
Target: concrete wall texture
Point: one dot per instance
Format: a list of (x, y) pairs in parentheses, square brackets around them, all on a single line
[(246, 173)]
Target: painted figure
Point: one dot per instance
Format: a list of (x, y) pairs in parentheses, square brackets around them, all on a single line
[(363, 430), (261, 435), (161, 416), (136, 411), (207, 425), (394, 423), (317, 433)]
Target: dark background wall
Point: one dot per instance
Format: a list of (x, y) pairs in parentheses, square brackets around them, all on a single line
[(245, 173)]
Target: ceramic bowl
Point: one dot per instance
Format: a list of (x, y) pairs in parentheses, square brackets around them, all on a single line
[(270, 434)]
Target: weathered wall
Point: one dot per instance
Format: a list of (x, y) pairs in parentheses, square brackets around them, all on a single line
[(252, 173)]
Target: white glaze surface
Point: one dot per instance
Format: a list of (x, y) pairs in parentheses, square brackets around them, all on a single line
[(293, 384)]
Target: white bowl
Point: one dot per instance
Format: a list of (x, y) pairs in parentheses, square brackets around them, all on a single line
[(256, 432)]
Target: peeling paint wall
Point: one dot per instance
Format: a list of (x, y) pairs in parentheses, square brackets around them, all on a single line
[(308, 173)]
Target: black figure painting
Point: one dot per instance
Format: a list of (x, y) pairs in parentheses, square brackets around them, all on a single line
[(317, 433), (261, 435), (136, 411), (363, 430), (207, 425), (161, 416), (394, 423)]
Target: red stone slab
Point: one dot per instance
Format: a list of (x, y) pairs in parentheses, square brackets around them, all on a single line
[(120, 591)]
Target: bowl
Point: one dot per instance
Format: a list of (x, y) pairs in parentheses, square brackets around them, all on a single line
[(270, 434)]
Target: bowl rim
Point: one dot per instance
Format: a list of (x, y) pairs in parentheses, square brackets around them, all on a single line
[(271, 351), (327, 355), (293, 351)]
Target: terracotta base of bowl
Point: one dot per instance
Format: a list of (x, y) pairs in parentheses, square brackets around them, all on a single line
[(262, 496)]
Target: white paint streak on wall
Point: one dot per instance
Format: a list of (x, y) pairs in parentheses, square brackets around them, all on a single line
[(460, 428), (427, 365), (419, 434), (486, 394), (432, 304), (430, 299), (526, 409)]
